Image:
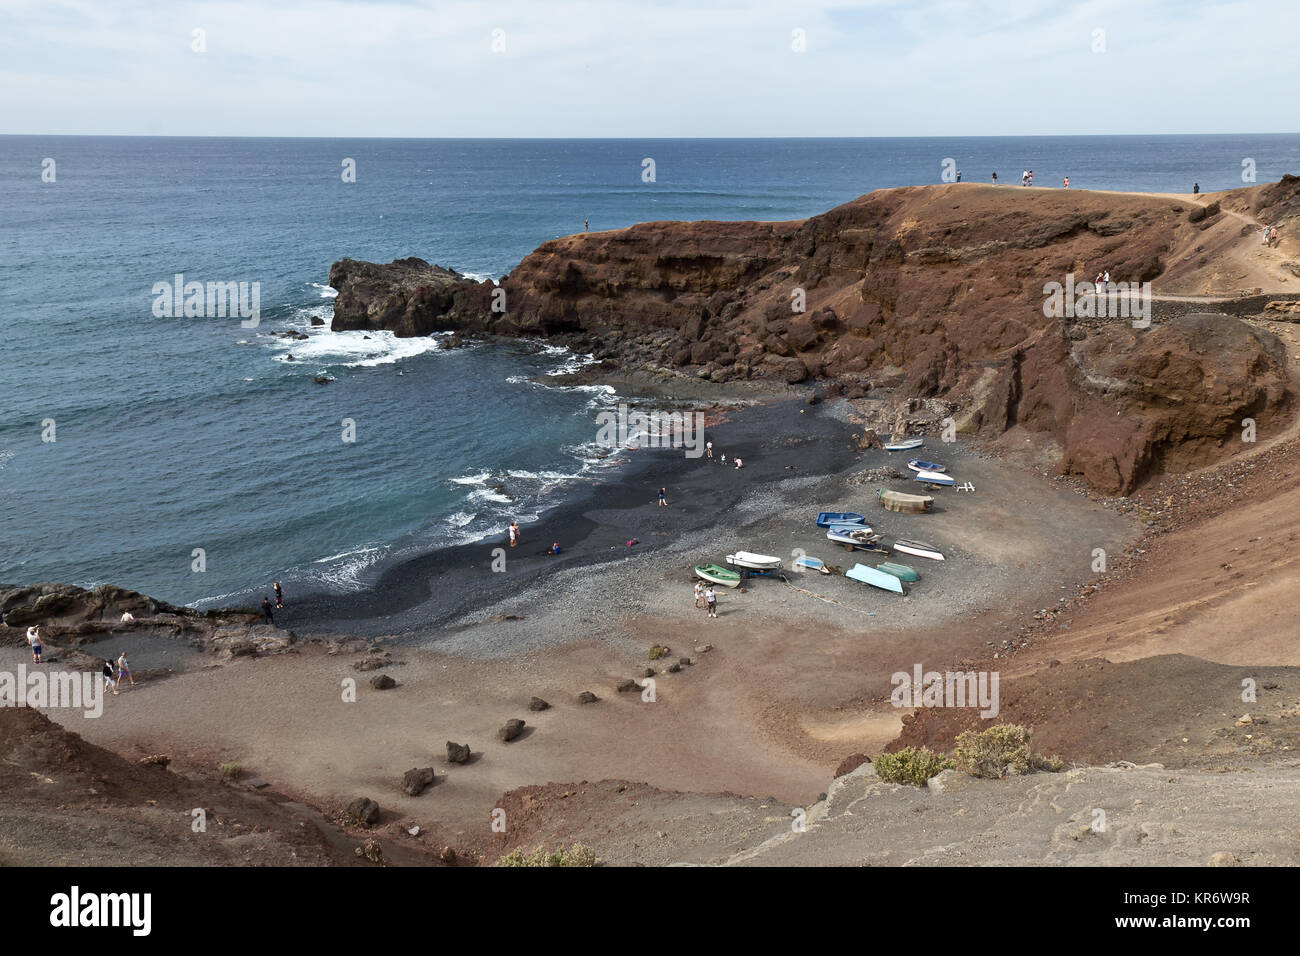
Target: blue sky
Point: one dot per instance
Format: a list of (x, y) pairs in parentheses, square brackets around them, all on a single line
[(640, 68)]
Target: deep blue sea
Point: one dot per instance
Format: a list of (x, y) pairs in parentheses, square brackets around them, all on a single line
[(176, 434)]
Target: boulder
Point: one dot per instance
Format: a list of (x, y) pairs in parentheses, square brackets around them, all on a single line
[(363, 810), (457, 753), (536, 703), (587, 697), (382, 682), (512, 729), (415, 780)]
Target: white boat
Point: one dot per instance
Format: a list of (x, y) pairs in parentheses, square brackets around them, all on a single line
[(919, 548), (851, 538), (755, 562), (906, 445), (934, 478)]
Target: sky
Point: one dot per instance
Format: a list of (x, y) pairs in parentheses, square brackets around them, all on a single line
[(648, 68)]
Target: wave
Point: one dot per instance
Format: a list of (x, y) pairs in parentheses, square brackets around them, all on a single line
[(354, 349), (326, 292)]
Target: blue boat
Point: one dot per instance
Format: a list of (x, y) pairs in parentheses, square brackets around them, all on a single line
[(811, 564), (918, 464), (828, 518), (878, 579)]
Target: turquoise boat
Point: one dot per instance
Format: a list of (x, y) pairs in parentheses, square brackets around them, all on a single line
[(900, 571), (877, 579)]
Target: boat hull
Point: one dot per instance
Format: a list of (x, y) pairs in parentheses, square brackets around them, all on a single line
[(900, 571), (877, 579), (904, 503), (717, 575), (919, 549), (934, 478), (907, 445)]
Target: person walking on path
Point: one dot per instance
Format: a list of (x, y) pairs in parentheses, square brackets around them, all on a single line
[(279, 596), (110, 681), (663, 497), (267, 616), (711, 601), (34, 642), (124, 669), (699, 594)]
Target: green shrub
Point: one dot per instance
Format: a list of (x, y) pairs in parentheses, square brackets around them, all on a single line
[(1001, 750), (231, 771), (576, 855), (910, 765), (659, 651)]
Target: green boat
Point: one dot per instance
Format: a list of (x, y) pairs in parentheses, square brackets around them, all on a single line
[(900, 571), (715, 574)]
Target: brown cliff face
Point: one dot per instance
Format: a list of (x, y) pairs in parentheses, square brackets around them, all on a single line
[(938, 290)]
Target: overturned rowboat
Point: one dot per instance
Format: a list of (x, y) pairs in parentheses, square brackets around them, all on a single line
[(809, 563), (900, 571), (918, 548), (754, 562), (935, 478), (877, 579), (906, 445), (903, 502)]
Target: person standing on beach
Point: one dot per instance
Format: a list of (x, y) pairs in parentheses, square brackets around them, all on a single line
[(1105, 279), (1067, 182), (1196, 189), (128, 617), (959, 175), (34, 642), (514, 533), (995, 177), (711, 601), (663, 499), (279, 596), (724, 459), (708, 450), (586, 225), (124, 669), (1024, 178), (267, 616), (699, 594), (1031, 177), (110, 681)]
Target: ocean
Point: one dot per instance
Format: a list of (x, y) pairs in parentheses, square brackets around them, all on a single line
[(192, 460)]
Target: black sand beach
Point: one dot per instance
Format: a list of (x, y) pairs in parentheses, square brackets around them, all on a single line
[(776, 440)]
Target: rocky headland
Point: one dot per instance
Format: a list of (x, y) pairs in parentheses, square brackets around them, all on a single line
[(928, 292)]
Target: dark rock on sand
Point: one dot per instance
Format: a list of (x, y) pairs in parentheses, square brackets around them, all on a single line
[(648, 672), (512, 729), (415, 780), (363, 810), (370, 664), (382, 682), (536, 703), (587, 697), (627, 686), (457, 753)]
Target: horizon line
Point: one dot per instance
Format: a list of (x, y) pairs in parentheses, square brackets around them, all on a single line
[(523, 139)]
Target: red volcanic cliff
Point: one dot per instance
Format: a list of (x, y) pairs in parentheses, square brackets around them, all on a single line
[(937, 291)]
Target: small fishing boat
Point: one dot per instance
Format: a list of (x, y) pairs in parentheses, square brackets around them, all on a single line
[(919, 548), (877, 579), (716, 574), (810, 563), (828, 518), (918, 464), (900, 571), (901, 501), (934, 478), (753, 562), (862, 538), (905, 445)]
